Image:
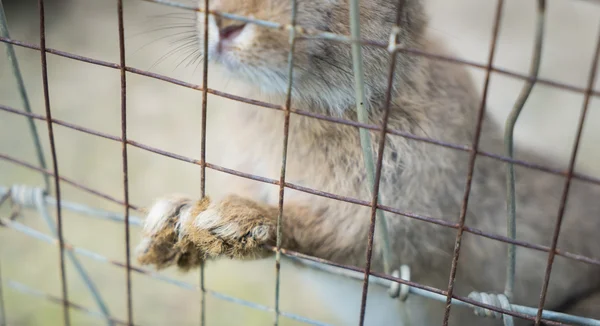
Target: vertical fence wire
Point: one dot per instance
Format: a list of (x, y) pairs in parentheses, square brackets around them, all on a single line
[(203, 149), (365, 137), (381, 148), (38, 197), (22, 288), (472, 158), (552, 317), (124, 157), (14, 63), (40, 155), (61, 241), (569, 178), (286, 133), (511, 205)]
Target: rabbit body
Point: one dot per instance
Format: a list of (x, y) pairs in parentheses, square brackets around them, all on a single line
[(431, 99)]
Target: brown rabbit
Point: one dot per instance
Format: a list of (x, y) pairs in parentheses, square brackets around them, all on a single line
[(430, 99)]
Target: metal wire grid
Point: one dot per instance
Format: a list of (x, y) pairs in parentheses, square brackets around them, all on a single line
[(31, 197), (357, 42), (54, 160)]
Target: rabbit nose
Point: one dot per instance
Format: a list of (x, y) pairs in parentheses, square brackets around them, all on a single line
[(230, 31)]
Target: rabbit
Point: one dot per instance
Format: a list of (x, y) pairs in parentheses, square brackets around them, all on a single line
[(430, 98)]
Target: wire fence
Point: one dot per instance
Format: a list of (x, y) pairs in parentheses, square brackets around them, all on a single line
[(397, 280)]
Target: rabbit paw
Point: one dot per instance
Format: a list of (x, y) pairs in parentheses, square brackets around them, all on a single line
[(185, 232)]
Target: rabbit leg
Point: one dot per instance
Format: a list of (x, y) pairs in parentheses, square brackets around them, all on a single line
[(186, 232)]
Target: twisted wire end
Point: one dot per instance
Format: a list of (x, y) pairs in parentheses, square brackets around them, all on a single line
[(26, 196), (492, 299)]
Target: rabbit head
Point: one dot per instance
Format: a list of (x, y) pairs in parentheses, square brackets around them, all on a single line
[(322, 71)]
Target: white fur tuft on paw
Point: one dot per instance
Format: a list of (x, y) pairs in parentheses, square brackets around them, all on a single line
[(185, 215), (261, 233), (210, 219), (143, 246), (160, 213)]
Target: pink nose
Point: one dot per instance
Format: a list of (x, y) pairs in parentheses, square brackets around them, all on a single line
[(231, 31)]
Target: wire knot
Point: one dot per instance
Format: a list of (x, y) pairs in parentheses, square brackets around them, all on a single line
[(399, 290), (26, 196), (392, 44), (496, 300)]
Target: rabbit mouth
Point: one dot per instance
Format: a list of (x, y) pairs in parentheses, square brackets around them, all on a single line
[(228, 35), (231, 32)]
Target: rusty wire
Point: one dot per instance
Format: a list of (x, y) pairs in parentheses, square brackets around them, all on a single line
[(472, 158), (433, 220), (460, 147), (297, 32), (286, 136), (63, 272), (16, 71), (318, 34), (380, 278), (511, 121), (320, 261), (565, 193), (25, 289), (203, 152), (365, 139), (124, 158), (158, 276)]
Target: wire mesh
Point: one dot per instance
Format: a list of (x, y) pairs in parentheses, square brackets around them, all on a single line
[(49, 123), (203, 153), (511, 121), (374, 180), (460, 147), (297, 32), (21, 195), (124, 157), (286, 136), (38, 197), (92, 255), (12, 57), (472, 158), (568, 180)]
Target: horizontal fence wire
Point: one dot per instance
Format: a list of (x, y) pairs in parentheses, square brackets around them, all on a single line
[(437, 221), (464, 148), (318, 34), (37, 293), (38, 199), (33, 292), (298, 33), (312, 33), (16, 71), (95, 256), (380, 279)]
